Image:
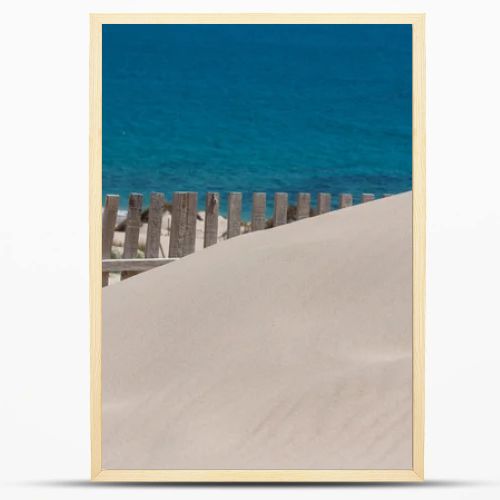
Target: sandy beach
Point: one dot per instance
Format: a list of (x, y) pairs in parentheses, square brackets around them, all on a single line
[(119, 237), (288, 348)]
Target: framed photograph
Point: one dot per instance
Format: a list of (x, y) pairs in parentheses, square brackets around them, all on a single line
[(257, 247)]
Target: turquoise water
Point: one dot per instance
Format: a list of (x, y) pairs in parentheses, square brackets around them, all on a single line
[(256, 108)]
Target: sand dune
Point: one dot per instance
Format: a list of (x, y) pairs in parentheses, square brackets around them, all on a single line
[(119, 237), (284, 349)]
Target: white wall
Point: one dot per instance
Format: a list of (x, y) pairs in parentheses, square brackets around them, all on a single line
[(44, 450)]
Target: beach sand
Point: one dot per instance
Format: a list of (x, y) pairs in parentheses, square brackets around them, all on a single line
[(119, 238), (289, 348)]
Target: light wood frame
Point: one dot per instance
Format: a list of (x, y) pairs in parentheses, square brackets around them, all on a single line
[(417, 472)]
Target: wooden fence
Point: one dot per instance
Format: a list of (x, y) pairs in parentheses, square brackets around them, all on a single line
[(184, 214)]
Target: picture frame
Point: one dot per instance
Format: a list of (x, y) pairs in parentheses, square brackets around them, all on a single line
[(418, 184)]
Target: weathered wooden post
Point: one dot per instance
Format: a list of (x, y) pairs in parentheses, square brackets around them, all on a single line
[(303, 205), (108, 229), (183, 229), (324, 203), (234, 214), (155, 215), (345, 200), (133, 225), (367, 197), (258, 211), (211, 219), (280, 209)]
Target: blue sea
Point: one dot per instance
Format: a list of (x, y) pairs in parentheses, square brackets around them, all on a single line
[(256, 108)]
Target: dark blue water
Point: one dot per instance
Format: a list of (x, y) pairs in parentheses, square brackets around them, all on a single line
[(256, 108)]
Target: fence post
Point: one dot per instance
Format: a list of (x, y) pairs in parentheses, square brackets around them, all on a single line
[(324, 203), (303, 205), (183, 230), (155, 215), (345, 200), (234, 214), (108, 229), (132, 227), (258, 211), (211, 219), (367, 197), (280, 209)]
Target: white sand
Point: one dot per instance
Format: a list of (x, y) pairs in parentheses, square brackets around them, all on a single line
[(119, 238), (286, 348)]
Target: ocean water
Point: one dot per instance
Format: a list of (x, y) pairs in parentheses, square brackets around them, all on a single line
[(256, 108)]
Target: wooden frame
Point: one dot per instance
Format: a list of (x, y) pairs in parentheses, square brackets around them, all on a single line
[(417, 473)]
